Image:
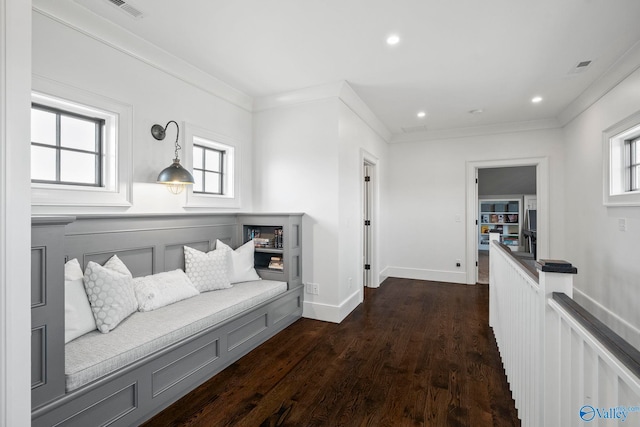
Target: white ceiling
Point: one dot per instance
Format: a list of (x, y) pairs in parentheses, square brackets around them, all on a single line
[(453, 57)]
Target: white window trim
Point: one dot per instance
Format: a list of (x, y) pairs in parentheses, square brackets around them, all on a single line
[(231, 198), (117, 192), (615, 162)]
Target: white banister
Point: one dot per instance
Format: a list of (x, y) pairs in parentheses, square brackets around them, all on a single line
[(564, 367)]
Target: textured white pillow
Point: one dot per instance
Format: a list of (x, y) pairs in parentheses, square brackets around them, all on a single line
[(241, 266), (158, 290), (207, 271), (78, 318), (110, 293)]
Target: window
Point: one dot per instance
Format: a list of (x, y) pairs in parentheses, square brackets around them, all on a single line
[(66, 148), (208, 170), (633, 164), (621, 151), (212, 159), (80, 150)]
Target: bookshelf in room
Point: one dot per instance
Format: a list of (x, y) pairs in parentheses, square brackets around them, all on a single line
[(278, 238), (503, 216)]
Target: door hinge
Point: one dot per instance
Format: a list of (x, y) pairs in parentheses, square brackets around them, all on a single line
[(367, 222), (367, 178), (476, 180), (476, 263), (367, 266)]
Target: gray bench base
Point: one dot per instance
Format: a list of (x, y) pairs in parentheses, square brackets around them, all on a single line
[(139, 391)]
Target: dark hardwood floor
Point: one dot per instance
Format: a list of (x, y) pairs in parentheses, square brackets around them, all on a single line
[(414, 354)]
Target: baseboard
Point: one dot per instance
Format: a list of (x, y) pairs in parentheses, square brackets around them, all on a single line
[(331, 313), (619, 325), (423, 274)]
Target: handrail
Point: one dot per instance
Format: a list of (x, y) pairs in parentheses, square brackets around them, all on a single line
[(628, 355), (531, 272)]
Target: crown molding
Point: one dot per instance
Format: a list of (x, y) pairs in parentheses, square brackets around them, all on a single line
[(80, 19), (340, 90), (440, 134), (626, 65)]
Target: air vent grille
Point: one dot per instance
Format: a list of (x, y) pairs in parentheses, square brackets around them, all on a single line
[(127, 8), (581, 67)]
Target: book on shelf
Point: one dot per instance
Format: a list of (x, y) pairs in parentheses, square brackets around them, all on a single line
[(494, 218), (484, 229), (512, 218), (500, 217), (484, 218), (262, 242), (276, 263)]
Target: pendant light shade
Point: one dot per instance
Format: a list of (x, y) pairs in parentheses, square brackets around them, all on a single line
[(175, 177)]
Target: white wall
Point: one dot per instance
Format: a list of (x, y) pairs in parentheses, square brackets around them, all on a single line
[(308, 159), (427, 182), (607, 259), (66, 54)]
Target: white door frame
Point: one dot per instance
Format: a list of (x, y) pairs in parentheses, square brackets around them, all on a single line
[(542, 192), (374, 187)]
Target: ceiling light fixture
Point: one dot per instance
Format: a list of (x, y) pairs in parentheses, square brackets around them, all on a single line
[(393, 39), (536, 99), (175, 177), (421, 114)]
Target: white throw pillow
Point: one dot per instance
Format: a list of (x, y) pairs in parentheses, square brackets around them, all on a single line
[(78, 318), (110, 293), (158, 290), (241, 266), (207, 271)]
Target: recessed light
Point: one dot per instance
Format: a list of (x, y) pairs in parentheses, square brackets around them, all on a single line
[(393, 39), (422, 114), (536, 99)]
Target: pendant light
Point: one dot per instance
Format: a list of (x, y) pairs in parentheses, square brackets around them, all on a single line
[(175, 177)]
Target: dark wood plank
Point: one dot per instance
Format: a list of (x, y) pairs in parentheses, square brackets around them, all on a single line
[(415, 353)]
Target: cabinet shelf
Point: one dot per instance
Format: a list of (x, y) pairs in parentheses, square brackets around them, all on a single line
[(501, 216)]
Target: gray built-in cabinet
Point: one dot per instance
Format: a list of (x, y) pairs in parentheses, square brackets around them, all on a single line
[(150, 244)]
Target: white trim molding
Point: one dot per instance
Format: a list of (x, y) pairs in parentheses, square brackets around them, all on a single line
[(425, 274), (615, 162), (542, 195), (331, 313), (232, 198), (117, 192), (15, 213)]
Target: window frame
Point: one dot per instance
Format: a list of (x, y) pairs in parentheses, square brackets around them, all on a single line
[(231, 197), (632, 145), (99, 144), (221, 169), (116, 192), (617, 189)]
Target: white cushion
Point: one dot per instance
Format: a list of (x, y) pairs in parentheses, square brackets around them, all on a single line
[(207, 271), (241, 262), (158, 290), (110, 293), (78, 318)]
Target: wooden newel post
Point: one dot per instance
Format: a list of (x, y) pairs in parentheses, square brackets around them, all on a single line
[(554, 276)]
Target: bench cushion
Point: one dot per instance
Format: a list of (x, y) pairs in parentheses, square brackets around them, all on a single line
[(95, 354)]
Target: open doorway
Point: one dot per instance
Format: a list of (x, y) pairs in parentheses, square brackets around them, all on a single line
[(473, 229), (506, 200)]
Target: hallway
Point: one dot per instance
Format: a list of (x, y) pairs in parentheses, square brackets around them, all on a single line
[(416, 353)]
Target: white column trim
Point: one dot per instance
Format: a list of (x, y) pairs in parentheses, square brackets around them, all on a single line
[(15, 213)]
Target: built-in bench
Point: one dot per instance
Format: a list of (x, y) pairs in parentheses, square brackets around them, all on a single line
[(152, 358)]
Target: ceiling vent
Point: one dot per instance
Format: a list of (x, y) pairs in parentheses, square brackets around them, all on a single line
[(580, 67), (413, 129), (127, 8)]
